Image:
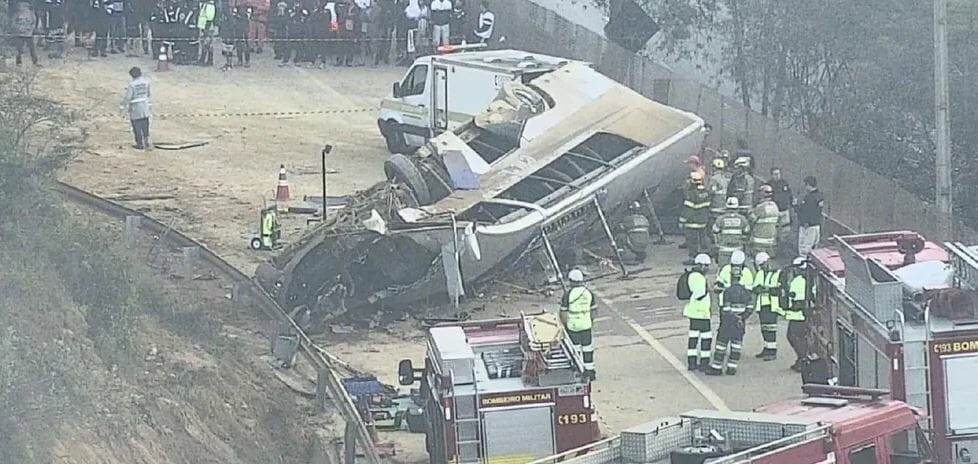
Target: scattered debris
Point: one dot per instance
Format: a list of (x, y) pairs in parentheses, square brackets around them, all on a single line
[(179, 145), (340, 329)]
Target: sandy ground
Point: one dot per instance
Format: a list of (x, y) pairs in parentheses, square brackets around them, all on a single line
[(214, 193)]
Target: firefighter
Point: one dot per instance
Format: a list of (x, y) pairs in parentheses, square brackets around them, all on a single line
[(696, 204), (719, 180), (635, 232), (695, 165), (742, 183), (269, 228), (725, 275), (767, 288), (697, 310), (730, 232), (576, 309), (795, 281), (737, 305), (764, 223)]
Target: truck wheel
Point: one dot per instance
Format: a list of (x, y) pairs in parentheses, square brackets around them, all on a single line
[(402, 172), (395, 138), (256, 243)]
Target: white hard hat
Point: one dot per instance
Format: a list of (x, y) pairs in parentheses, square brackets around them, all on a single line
[(761, 258), (702, 259), (732, 202), (799, 261), (575, 275), (737, 258)]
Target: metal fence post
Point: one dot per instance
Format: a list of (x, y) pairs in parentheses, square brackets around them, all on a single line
[(133, 223), (321, 386)]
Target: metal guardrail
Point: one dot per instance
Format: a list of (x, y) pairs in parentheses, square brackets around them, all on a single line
[(327, 379), (599, 452), (797, 439)]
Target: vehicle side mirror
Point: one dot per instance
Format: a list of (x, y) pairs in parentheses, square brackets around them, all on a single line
[(397, 90), (405, 371)]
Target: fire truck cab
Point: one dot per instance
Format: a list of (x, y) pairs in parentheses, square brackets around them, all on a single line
[(896, 312), (502, 391)]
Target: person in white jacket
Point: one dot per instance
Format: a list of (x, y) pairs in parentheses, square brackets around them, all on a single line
[(486, 24), (135, 107)]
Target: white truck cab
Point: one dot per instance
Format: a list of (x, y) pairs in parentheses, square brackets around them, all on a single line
[(457, 86)]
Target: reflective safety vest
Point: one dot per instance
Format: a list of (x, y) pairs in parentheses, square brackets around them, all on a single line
[(696, 208), (268, 224), (718, 189), (764, 219), (742, 187), (697, 309), (636, 229), (723, 279), (579, 302), (797, 299), (767, 285)]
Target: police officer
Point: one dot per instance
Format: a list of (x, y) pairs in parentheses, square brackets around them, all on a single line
[(767, 289), (796, 310), (695, 215), (576, 308), (742, 183), (635, 232), (730, 232), (719, 180), (697, 310), (737, 305), (764, 223), (725, 275)]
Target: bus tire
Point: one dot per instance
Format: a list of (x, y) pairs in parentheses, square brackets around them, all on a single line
[(400, 169)]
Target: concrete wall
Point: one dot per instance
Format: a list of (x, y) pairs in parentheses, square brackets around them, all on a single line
[(858, 198)]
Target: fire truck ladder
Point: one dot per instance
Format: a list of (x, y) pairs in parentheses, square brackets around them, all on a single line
[(468, 436), (916, 368)]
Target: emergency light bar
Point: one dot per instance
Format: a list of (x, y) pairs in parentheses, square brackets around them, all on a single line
[(445, 49)]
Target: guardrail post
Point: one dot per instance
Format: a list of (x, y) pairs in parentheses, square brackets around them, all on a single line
[(190, 255), (321, 397), (350, 444), (133, 223)]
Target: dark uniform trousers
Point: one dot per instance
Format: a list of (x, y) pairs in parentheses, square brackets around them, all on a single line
[(730, 339), (699, 343), (769, 328), (585, 346)]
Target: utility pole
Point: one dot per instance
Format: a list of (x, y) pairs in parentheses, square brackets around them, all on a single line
[(941, 110)]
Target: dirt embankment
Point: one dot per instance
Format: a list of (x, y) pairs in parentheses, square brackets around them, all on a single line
[(106, 360)]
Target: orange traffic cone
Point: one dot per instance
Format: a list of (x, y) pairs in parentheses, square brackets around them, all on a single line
[(282, 192), (162, 60)]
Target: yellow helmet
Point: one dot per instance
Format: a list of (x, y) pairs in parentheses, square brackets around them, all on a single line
[(696, 176), (719, 163)]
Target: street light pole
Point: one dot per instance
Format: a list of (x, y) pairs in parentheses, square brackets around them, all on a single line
[(941, 110), (326, 150)]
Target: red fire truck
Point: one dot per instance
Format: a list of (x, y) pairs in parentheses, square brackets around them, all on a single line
[(502, 391), (832, 425), (895, 311)]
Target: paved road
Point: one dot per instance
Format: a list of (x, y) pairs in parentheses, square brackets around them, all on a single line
[(641, 353)]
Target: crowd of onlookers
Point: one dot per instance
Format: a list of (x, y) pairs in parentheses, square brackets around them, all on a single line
[(340, 32)]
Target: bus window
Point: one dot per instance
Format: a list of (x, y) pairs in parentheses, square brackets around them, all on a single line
[(864, 455)]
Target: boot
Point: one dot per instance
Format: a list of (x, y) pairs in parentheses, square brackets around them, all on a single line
[(763, 354), (731, 371), (713, 371), (771, 355), (691, 363)]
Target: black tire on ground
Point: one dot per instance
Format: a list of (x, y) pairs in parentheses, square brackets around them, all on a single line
[(400, 169), (256, 243), (395, 138)]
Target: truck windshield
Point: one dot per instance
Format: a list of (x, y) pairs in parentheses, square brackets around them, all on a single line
[(909, 447)]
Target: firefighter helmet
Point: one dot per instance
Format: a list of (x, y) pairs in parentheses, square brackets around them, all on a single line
[(694, 160), (766, 190), (702, 259), (799, 261), (733, 203), (742, 162), (738, 258), (635, 206), (696, 177), (575, 275), (761, 258), (719, 163)]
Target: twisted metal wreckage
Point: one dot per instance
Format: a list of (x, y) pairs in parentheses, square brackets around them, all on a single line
[(530, 171)]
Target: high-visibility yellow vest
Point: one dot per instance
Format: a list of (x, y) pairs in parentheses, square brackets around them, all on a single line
[(579, 309), (796, 304), (268, 224), (697, 309)]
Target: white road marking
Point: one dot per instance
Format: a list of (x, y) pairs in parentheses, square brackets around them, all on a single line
[(676, 364)]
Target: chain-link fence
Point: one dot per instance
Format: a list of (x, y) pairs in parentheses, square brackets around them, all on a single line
[(857, 198)]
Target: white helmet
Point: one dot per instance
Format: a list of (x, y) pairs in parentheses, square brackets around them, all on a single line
[(732, 202), (799, 261), (575, 275), (761, 258), (702, 259), (738, 258)]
